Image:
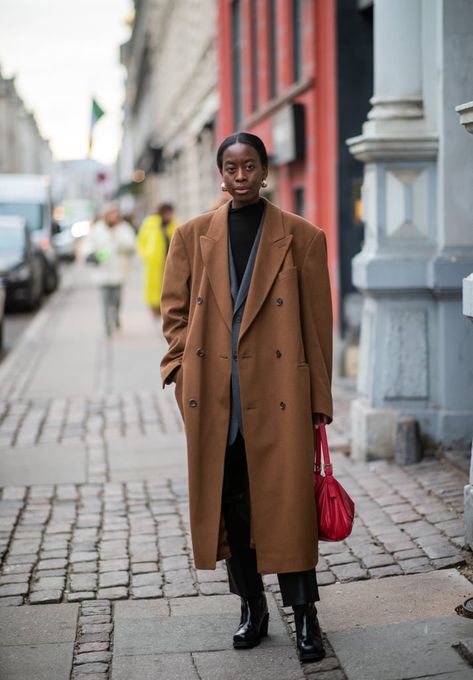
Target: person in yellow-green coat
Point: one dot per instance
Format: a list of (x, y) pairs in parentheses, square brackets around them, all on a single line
[(154, 238)]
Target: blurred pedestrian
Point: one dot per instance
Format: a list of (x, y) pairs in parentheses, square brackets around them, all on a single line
[(110, 246), (154, 237), (248, 318)]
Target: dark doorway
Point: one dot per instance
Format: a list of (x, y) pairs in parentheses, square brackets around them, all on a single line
[(355, 88)]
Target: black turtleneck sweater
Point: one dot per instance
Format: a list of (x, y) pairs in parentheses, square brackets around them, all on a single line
[(243, 226)]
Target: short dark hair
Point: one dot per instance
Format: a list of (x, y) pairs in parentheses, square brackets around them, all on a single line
[(165, 207), (243, 138)]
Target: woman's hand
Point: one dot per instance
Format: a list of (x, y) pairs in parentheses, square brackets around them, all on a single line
[(318, 418)]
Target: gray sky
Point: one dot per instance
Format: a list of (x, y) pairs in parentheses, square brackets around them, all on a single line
[(63, 52)]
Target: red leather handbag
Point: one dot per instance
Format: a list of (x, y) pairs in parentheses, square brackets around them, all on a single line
[(335, 508)]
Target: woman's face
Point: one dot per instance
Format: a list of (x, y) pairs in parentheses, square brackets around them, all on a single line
[(242, 172)]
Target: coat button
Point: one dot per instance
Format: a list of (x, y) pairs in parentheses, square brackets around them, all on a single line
[(200, 352), (200, 300), (278, 353), (279, 302), (282, 405), (192, 403)]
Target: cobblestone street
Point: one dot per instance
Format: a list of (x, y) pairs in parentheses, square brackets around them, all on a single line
[(94, 526)]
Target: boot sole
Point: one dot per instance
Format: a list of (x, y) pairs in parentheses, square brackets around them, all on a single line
[(246, 645), (308, 658), (249, 644)]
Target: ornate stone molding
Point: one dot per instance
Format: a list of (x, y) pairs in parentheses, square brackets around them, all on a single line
[(465, 111), (468, 297), (386, 108), (393, 148)]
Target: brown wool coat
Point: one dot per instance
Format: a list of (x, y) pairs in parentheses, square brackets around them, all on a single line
[(284, 355)]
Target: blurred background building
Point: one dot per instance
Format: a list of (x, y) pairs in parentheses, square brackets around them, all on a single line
[(170, 106), (415, 352), (81, 187), (22, 148), (296, 72)]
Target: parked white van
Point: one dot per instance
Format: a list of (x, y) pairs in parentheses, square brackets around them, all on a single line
[(29, 196)]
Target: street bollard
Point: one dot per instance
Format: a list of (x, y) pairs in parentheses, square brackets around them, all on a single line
[(408, 449)]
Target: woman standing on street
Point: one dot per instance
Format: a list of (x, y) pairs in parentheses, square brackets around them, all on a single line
[(153, 242), (247, 315)]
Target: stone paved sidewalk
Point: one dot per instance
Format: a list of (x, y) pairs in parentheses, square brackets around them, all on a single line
[(94, 507), (119, 540)]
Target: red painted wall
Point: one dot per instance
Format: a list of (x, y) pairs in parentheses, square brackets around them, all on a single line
[(317, 172)]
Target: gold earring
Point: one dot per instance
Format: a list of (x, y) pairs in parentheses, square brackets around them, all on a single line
[(264, 184), (223, 186)]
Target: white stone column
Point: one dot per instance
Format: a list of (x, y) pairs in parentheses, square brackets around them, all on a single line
[(468, 490), (465, 112), (410, 277), (397, 81)]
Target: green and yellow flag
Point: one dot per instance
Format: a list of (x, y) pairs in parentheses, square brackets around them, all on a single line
[(96, 115)]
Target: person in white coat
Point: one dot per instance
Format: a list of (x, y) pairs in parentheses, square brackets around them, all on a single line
[(110, 247)]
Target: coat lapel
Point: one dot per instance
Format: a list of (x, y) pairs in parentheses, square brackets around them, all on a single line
[(214, 249), (272, 250)]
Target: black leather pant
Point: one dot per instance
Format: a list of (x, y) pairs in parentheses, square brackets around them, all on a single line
[(297, 588)]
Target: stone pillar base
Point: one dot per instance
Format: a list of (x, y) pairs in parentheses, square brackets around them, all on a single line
[(468, 498), (468, 507), (373, 430)]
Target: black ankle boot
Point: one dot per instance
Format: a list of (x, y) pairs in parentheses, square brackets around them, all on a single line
[(253, 623), (309, 636)]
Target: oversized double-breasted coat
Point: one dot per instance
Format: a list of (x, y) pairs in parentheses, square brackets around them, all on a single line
[(284, 356)]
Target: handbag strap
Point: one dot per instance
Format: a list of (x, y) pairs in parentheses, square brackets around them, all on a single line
[(321, 446)]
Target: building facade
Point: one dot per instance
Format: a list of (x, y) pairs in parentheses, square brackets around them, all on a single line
[(171, 105), (416, 346), (277, 80), (81, 187), (22, 148), (298, 74)]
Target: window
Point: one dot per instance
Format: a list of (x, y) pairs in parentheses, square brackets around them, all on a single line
[(297, 39), (236, 62), (254, 54), (272, 61), (32, 212), (357, 209)]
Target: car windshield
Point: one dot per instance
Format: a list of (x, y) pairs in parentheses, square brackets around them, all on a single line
[(11, 240), (32, 212)]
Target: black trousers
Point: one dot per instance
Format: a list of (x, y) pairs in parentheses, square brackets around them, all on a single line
[(297, 588)]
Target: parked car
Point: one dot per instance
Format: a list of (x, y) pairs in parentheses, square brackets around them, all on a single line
[(64, 241), (21, 270), (30, 197)]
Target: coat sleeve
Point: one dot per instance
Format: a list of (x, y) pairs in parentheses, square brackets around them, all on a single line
[(317, 323), (175, 305)]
